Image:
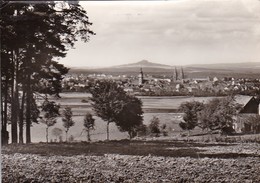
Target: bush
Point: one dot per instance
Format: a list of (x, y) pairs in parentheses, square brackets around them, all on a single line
[(163, 130), (154, 126), (142, 130), (60, 139), (71, 138)]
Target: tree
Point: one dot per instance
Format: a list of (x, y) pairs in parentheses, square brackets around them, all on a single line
[(51, 112), (111, 103), (142, 130), (218, 114), (89, 123), (57, 132), (164, 130), (67, 120), (154, 126), (130, 118), (190, 110), (254, 123), (32, 36)]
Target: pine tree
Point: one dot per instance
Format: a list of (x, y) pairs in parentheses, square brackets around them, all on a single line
[(32, 36)]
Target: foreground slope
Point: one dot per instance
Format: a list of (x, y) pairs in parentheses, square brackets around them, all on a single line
[(132, 161)]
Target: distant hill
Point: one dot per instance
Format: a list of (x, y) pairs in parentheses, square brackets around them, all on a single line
[(144, 64), (245, 66), (133, 68), (247, 69)]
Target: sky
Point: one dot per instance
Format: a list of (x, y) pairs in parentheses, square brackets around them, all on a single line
[(177, 32)]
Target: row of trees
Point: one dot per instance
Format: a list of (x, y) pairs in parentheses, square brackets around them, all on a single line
[(216, 114), (33, 36), (51, 112), (153, 129), (109, 102)]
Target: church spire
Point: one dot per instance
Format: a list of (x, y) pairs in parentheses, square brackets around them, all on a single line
[(175, 74), (182, 74), (141, 77)]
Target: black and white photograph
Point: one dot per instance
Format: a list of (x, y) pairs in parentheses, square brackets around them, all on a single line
[(147, 91)]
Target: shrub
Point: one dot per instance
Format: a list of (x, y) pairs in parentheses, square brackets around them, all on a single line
[(154, 126)]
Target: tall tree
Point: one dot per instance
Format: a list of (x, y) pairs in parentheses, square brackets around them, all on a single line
[(218, 114), (130, 118), (67, 120), (50, 113), (106, 101), (112, 104), (32, 36), (190, 118), (89, 123)]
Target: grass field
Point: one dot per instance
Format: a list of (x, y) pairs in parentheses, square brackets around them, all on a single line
[(166, 148), (38, 130), (161, 107)]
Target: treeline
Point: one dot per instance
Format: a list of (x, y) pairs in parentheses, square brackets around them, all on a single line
[(217, 115), (33, 36)]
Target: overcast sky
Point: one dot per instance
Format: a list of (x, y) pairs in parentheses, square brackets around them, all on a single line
[(177, 32)]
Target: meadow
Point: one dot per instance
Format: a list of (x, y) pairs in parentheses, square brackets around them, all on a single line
[(164, 108)]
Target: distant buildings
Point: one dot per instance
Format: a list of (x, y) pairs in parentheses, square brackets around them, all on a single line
[(141, 77), (177, 77), (175, 83)]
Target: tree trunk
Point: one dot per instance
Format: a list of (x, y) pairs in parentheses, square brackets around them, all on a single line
[(88, 134), (107, 130), (130, 134), (188, 137), (15, 100), (66, 135), (2, 109), (28, 110), (4, 132), (47, 134), (14, 116), (21, 141)]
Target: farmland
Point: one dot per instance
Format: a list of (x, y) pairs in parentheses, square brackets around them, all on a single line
[(162, 107)]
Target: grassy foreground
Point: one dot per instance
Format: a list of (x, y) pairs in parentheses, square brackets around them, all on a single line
[(131, 161), (137, 147)]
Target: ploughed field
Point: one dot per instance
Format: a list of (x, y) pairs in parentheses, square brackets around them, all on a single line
[(131, 161), (162, 107)]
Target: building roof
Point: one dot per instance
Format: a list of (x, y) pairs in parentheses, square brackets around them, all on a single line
[(249, 104), (243, 99)]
